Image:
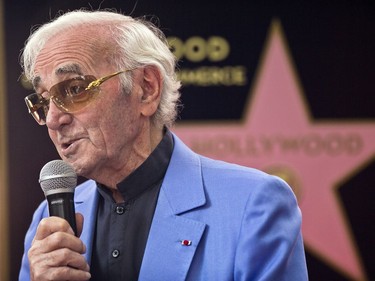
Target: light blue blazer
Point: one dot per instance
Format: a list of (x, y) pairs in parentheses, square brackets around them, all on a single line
[(242, 224)]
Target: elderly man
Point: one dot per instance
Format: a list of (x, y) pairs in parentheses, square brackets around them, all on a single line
[(106, 89)]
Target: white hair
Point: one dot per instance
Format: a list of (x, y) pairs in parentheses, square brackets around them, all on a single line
[(138, 43)]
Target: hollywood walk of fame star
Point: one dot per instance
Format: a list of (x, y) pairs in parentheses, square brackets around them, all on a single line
[(277, 134)]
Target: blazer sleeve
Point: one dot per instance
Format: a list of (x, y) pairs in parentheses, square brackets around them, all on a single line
[(39, 214), (271, 245)]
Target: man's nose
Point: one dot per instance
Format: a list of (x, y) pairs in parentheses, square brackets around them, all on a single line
[(56, 117)]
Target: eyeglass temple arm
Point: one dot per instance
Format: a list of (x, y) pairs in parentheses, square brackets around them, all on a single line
[(99, 81)]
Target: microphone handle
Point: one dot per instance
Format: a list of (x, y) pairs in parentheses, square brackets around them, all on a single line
[(62, 205)]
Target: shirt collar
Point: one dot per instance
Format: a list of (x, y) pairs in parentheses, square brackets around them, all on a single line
[(149, 173)]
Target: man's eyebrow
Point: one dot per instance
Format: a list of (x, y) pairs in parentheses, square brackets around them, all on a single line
[(69, 68), (65, 69)]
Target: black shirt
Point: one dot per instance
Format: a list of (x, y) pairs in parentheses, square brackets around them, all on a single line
[(122, 228)]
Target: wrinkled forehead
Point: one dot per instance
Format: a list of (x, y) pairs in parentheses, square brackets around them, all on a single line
[(74, 52)]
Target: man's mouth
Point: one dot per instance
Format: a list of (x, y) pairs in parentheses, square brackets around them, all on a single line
[(66, 145)]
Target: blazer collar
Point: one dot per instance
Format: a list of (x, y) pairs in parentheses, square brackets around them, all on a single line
[(183, 183)]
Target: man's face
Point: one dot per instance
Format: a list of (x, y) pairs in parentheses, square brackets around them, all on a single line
[(105, 135)]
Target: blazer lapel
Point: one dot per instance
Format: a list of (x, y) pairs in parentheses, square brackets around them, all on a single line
[(174, 238), (89, 196)]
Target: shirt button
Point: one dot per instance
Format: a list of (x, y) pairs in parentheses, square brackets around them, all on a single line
[(115, 253), (120, 210)]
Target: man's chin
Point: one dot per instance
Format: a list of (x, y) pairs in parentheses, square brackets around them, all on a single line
[(77, 165)]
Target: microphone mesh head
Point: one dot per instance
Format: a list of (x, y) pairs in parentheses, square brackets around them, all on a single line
[(57, 176)]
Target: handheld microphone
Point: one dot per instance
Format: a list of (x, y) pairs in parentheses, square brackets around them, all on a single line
[(58, 181)]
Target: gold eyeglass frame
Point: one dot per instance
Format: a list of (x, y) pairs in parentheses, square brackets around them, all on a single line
[(33, 107)]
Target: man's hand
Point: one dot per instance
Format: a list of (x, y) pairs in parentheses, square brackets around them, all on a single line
[(56, 254)]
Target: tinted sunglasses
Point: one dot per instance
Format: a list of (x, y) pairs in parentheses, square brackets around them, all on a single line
[(69, 95)]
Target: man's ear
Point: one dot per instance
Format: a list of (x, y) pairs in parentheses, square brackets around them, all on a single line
[(151, 90)]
